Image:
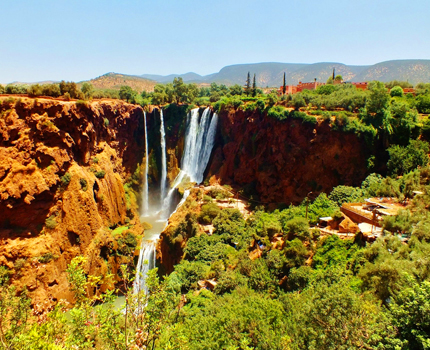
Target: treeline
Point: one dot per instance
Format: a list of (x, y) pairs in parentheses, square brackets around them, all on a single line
[(67, 90), (328, 97)]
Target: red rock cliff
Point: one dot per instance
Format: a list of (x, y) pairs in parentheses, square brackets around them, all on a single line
[(62, 170), (282, 161)]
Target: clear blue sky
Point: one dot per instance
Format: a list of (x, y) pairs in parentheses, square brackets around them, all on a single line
[(81, 39)]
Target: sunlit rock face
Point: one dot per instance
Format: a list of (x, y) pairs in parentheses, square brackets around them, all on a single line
[(62, 170)]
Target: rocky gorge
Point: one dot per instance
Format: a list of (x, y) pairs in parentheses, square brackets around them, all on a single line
[(71, 174)]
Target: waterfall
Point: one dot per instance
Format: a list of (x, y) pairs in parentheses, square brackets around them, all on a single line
[(163, 159), (145, 188), (199, 141), (146, 262)]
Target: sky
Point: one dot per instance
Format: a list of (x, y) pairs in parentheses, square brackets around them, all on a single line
[(81, 39)]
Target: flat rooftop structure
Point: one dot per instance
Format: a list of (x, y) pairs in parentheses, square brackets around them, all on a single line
[(372, 210)]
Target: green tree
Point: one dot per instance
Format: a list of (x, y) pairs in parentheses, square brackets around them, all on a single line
[(396, 91), (88, 90), (236, 90), (298, 101), (405, 159), (34, 90), (254, 87), (127, 93), (410, 312), (248, 84), (378, 99)]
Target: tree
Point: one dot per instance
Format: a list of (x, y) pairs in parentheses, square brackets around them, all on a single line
[(179, 90), (378, 99), (411, 313), (71, 88), (396, 91), (34, 90), (254, 87), (51, 90), (338, 78), (127, 93), (284, 85), (405, 159), (248, 84), (298, 101), (236, 90), (88, 90)]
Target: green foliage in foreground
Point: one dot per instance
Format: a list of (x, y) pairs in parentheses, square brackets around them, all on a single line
[(302, 291)]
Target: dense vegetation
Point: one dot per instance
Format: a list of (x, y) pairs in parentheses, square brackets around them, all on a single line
[(301, 291)]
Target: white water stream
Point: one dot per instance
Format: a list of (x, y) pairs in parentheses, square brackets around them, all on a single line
[(199, 141), (145, 201), (163, 159)]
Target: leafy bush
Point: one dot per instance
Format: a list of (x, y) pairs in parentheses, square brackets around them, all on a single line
[(297, 227), (208, 213), (50, 222), (342, 194), (277, 112), (84, 184), (46, 258), (396, 91), (100, 174), (106, 122), (405, 159), (65, 179)]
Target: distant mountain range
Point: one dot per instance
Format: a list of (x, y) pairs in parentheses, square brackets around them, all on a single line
[(271, 73)]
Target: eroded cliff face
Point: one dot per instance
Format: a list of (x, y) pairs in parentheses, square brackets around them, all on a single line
[(282, 161), (62, 172)]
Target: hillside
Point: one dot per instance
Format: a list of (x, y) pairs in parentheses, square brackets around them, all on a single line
[(271, 73), (414, 71), (115, 81)]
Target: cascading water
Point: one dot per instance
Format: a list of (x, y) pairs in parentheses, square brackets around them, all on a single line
[(163, 159), (199, 141), (146, 262), (145, 200)]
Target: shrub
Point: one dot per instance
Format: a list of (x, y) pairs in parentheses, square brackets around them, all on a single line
[(297, 227), (19, 264), (100, 174), (396, 91), (208, 213), (65, 179), (50, 222), (84, 184), (106, 122), (404, 159), (46, 258), (277, 112)]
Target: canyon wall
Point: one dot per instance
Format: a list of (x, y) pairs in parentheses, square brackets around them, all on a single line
[(63, 166), (279, 162)]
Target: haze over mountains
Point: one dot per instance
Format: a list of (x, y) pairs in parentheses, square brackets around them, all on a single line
[(271, 73)]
